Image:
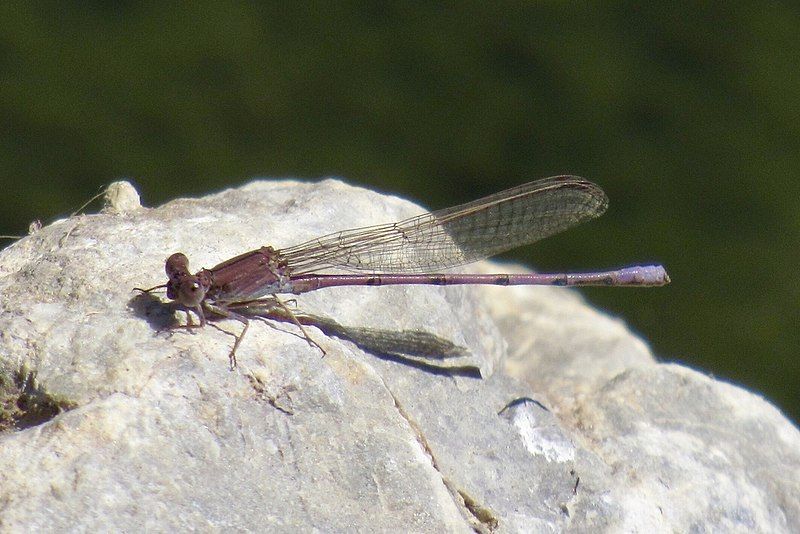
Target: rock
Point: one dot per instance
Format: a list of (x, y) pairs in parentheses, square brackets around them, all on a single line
[(108, 424)]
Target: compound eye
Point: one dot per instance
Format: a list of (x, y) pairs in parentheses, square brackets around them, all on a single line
[(177, 266), (191, 293)]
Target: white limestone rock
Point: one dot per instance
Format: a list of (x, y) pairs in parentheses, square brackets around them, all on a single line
[(155, 432)]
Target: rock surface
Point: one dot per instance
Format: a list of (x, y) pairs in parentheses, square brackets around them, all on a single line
[(108, 425)]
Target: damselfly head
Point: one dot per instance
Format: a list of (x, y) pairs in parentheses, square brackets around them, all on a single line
[(184, 287)]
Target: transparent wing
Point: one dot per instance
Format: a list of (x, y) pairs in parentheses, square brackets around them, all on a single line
[(458, 235)]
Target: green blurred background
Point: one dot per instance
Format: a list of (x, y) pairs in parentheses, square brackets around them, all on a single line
[(688, 118)]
